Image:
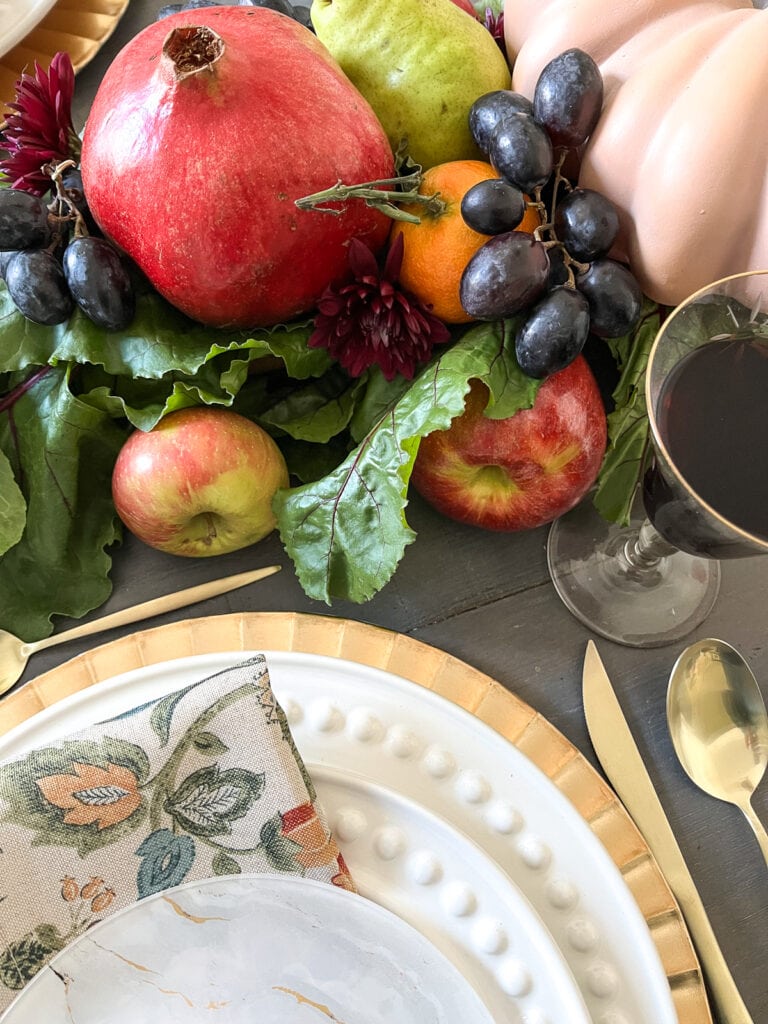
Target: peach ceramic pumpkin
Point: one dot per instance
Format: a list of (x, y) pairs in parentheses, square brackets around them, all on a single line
[(682, 144)]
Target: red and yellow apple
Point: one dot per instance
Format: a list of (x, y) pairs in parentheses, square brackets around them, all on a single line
[(201, 482), (521, 472)]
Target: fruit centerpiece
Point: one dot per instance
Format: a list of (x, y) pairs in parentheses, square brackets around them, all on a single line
[(408, 257)]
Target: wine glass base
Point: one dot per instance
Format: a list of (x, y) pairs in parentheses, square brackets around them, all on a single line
[(638, 609)]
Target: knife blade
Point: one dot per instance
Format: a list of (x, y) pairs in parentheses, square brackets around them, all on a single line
[(621, 760)]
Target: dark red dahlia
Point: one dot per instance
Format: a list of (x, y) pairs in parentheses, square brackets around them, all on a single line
[(495, 25), (368, 320), (39, 133)]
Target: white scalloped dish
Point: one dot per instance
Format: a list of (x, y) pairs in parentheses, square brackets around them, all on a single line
[(19, 17), (444, 822)]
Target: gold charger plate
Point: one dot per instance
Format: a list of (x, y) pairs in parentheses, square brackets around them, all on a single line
[(81, 27), (470, 689)]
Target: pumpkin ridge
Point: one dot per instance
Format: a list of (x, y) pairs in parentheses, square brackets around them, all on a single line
[(681, 147)]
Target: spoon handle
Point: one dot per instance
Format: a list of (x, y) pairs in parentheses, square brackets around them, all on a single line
[(757, 827), (157, 606)]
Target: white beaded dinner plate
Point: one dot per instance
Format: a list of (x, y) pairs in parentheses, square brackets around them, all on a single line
[(17, 18), (445, 822), (269, 948)]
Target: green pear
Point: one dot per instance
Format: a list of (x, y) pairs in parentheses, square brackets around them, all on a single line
[(421, 64)]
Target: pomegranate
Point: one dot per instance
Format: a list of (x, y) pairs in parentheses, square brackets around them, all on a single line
[(206, 128)]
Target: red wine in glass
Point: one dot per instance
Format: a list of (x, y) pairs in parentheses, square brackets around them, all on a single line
[(713, 420), (705, 497)]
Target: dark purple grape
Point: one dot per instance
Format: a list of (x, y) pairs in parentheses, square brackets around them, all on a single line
[(488, 110), (72, 181), (558, 269), (504, 276), (587, 224), (521, 152), (36, 284), (281, 6), (99, 282), (302, 15), (23, 220), (6, 255), (554, 332), (568, 98), (188, 5), (614, 298), (493, 206)]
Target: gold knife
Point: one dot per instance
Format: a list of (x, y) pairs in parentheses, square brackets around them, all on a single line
[(622, 763)]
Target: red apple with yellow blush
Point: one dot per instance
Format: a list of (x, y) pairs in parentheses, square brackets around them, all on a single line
[(521, 472), (200, 483)]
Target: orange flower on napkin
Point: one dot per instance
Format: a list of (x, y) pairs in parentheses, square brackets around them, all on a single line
[(102, 795), (303, 826)]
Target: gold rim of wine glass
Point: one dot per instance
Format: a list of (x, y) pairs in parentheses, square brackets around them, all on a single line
[(658, 442)]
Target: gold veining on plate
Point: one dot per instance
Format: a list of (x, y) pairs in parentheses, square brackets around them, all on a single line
[(427, 666)]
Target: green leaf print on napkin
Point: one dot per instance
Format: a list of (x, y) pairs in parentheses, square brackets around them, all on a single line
[(208, 800)]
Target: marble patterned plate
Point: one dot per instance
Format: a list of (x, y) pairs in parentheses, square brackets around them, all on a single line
[(399, 739), (268, 948)]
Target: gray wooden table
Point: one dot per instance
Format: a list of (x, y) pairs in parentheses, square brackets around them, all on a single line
[(487, 599)]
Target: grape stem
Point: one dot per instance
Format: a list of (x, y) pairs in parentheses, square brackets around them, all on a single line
[(560, 179), (547, 226), (374, 194), (62, 201)]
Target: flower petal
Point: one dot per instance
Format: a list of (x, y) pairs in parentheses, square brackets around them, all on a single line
[(40, 129), (394, 259), (362, 262)]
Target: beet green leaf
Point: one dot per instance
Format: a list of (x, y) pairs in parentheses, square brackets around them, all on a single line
[(347, 532)]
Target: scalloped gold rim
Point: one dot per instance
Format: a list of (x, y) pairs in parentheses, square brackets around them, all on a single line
[(81, 27), (432, 668)]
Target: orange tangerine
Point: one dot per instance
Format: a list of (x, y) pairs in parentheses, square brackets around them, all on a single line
[(437, 249), (531, 220)]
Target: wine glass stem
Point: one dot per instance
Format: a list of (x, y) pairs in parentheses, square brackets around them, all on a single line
[(645, 551)]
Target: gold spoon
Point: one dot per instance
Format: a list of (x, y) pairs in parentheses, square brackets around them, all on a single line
[(14, 653), (719, 725)]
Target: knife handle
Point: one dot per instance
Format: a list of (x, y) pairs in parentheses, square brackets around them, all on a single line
[(726, 997)]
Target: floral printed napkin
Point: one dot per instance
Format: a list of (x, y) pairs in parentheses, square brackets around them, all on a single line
[(204, 781)]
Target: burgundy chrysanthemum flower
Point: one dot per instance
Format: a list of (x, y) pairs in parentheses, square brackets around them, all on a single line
[(495, 25), (369, 320), (39, 131)]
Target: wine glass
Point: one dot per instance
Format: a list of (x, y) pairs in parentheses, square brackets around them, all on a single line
[(705, 487)]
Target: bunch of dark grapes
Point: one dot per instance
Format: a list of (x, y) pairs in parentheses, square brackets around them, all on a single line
[(298, 12), (560, 279), (53, 259)]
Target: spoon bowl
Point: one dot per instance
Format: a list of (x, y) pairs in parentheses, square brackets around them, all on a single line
[(12, 659), (719, 725)]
